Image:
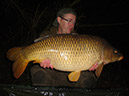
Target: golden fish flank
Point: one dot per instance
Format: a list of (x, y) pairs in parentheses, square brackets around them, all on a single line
[(73, 53)]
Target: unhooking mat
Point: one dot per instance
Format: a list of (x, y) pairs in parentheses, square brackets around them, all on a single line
[(18, 90)]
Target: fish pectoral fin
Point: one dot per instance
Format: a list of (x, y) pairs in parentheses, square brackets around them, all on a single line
[(74, 76), (99, 70)]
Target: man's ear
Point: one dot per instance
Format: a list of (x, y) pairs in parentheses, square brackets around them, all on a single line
[(58, 19)]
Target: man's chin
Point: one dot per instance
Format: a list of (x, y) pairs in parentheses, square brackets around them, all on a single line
[(68, 31)]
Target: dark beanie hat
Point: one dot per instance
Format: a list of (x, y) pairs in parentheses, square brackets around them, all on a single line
[(62, 12)]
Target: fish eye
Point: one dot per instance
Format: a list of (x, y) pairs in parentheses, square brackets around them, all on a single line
[(115, 51)]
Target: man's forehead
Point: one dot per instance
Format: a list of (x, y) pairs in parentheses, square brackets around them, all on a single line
[(69, 15)]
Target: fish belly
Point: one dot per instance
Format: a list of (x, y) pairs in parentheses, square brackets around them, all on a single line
[(69, 61)]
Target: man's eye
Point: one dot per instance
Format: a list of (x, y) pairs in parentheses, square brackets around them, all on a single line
[(71, 21)]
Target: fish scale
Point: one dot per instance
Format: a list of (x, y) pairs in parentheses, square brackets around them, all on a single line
[(73, 53), (65, 60)]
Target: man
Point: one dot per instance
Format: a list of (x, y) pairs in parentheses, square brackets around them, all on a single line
[(64, 24)]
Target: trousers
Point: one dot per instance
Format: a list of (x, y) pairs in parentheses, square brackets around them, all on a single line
[(52, 77)]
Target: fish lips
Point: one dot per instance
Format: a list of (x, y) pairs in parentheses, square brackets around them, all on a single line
[(121, 58)]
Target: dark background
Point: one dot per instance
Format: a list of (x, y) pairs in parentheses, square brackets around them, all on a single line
[(23, 20)]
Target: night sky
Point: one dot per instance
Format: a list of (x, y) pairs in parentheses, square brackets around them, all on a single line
[(23, 20)]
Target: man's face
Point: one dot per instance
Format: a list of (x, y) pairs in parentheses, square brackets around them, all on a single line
[(66, 23)]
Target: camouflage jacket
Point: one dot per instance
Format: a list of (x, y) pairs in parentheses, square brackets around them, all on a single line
[(51, 31)]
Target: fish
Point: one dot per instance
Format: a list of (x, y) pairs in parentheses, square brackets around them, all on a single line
[(70, 53)]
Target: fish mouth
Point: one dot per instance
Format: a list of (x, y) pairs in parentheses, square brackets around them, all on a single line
[(121, 58)]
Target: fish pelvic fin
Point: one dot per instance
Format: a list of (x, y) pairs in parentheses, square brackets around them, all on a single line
[(99, 69), (19, 66), (74, 76), (13, 53)]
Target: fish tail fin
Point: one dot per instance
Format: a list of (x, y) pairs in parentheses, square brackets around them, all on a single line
[(13, 53), (19, 66)]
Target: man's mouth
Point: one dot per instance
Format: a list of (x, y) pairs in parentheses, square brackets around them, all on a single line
[(70, 29)]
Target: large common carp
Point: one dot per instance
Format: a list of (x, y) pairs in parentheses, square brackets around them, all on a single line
[(73, 53)]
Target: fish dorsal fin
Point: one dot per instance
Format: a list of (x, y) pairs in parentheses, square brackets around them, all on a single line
[(74, 76)]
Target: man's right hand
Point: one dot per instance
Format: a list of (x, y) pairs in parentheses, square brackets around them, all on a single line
[(46, 64)]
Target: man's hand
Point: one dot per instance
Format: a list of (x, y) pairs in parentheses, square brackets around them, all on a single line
[(93, 67), (46, 63)]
